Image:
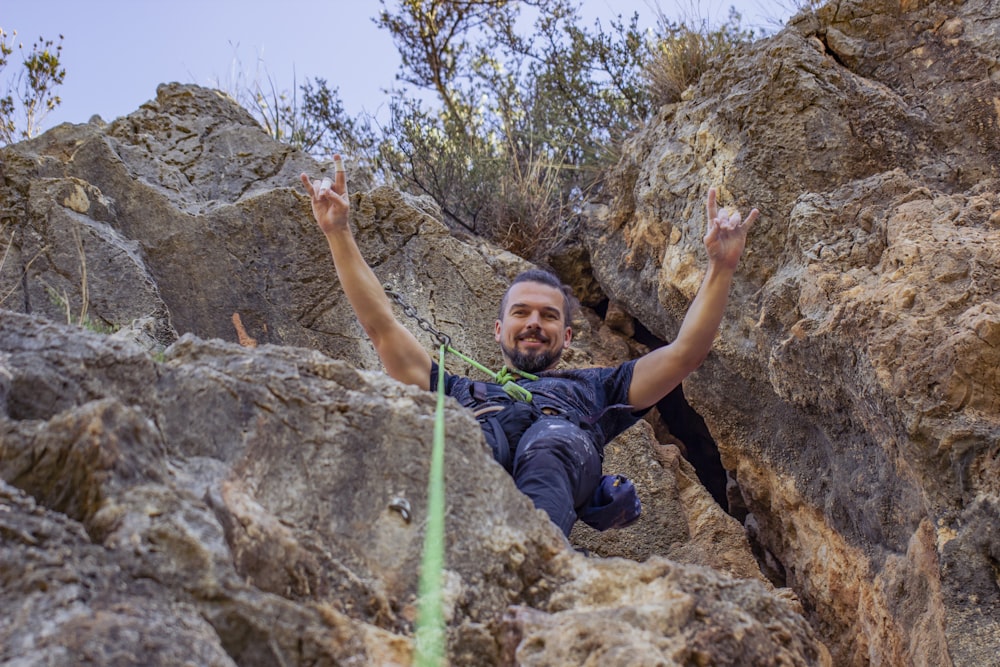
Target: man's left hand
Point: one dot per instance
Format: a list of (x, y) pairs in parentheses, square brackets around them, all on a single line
[(727, 233)]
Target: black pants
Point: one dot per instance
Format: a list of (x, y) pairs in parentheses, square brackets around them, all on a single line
[(558, 467)]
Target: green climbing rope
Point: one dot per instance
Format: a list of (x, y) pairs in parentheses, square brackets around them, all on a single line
[(430, 631), (507, 377)]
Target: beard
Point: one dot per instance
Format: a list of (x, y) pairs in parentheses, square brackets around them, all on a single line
[(531, 362)]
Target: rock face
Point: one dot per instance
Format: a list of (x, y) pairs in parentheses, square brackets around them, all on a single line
[(232, 506), (169, 495), (854, 390)]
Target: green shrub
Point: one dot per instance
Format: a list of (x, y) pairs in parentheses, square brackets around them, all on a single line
[(29, 96), (683, 52)]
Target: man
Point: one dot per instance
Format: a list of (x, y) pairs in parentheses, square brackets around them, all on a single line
[(556, 453)]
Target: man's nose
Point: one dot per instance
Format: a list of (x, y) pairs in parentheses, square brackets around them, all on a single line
[(534, 321)]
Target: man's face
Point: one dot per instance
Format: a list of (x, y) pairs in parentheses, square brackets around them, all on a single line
[(533, 331)]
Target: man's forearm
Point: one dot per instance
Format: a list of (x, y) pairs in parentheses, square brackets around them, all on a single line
[(401, 353), (701, 322), (659, 371), (360, 284)]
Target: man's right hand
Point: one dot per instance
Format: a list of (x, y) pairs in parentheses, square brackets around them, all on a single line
[(330, 204)]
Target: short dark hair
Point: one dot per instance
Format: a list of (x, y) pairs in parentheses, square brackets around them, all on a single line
[(545, 278)]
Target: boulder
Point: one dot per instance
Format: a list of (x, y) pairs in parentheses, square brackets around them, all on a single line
[(267, 506), (853, 389), (196, 439)]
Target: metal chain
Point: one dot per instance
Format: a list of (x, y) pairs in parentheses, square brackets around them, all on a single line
[(506, 378), (411, 312)]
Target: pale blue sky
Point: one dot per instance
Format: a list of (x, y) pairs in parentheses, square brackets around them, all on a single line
[(117, 51)]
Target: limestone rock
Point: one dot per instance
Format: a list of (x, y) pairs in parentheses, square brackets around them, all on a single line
[(853, 388), (243, 501), (239, 505), (653, 614)]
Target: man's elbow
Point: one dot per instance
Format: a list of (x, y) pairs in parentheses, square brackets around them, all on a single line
[(661, 371), (372, 332), (691, 358), (378, 329)]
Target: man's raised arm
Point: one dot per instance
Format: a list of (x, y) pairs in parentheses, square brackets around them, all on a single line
[(404, 358), (658, 372)]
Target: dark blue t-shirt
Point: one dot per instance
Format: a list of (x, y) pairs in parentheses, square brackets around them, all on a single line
[(597, 398)]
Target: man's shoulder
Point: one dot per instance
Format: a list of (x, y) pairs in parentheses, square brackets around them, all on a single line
[(609, 381), (589, 372)]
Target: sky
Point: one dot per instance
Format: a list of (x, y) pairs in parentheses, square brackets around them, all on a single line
[(116, 52)]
